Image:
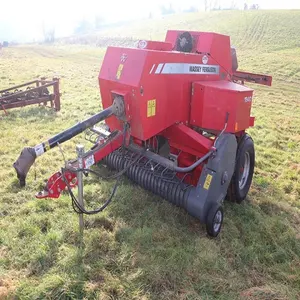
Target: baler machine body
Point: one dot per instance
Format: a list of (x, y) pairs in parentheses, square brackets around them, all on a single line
[(171, 93), (163, 87), (186, 117)]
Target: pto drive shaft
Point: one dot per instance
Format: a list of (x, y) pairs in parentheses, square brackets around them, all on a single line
[(29, 154)]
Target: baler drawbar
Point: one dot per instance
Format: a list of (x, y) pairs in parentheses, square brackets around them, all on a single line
[(176, 115)]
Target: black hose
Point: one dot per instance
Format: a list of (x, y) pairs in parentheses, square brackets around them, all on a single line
[(76, 205), (194, 165), (80, 210), (169, 164)]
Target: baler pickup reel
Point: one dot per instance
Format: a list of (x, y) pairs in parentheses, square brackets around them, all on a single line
[(175, 124)]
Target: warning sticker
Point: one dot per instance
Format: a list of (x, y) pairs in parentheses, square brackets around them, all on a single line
[(89, 161), (207, 181), (151, 108), (119, 71), (39, 149)]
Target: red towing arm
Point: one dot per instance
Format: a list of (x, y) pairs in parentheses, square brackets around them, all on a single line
[(56, 183)]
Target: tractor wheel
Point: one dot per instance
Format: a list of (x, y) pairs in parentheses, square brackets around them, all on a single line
[(243, 173), (214, 220)]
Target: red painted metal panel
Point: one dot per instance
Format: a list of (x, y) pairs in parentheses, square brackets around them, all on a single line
[(123, 65), (155, 45), (214, 45), (163, 77), (212, 100), (157, 86), (188, 140), (251, 121)]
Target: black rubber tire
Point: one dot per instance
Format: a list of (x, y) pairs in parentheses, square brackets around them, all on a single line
[(211, 220), (234, 192)]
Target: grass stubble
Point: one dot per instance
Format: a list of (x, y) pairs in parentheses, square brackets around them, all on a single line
[(142, 247)]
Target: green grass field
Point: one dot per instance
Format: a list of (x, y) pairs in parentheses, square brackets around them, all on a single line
[(142, 247)]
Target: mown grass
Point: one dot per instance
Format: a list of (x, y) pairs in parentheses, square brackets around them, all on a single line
[(142, 247)]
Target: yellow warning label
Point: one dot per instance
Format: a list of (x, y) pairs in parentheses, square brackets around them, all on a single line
[(47, 146), (151, 108), (207, 181), (119, 71)]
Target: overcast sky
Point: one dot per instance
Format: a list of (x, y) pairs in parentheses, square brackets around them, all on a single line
[(22, 19)]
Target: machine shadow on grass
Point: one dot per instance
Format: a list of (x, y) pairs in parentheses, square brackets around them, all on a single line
[(174, 244), (139, 208), (135, 206)]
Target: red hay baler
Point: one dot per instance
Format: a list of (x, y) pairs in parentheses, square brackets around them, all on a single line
[(176, 115)]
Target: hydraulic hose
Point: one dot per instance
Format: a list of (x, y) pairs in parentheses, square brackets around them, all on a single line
[(167, 163), (76, 205), (194, 165)]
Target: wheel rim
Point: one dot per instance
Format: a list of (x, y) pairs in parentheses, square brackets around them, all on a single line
[(217, 221), (244, 171)]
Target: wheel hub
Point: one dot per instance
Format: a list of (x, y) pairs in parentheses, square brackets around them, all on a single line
[(217, 221), (244, 171)]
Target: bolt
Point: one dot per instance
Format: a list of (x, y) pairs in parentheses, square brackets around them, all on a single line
[(80, 150), (224, 178)]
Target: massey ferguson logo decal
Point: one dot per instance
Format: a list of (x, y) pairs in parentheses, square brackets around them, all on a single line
[(184, 68), (123, 57), (142, 44), (205, 59), (248, 99), (202, 69)]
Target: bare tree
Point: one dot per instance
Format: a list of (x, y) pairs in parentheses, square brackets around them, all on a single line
[(211, 4), (206, 4), (233, 4), (49, 34), (215, 4)]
